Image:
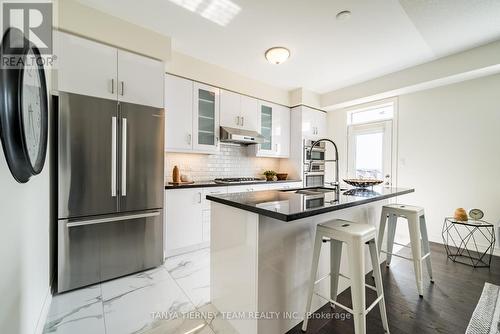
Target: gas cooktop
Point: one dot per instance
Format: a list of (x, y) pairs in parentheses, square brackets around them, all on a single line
[(238, 180)]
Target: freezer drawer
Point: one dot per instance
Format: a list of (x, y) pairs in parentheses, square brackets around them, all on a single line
[(100, 248)]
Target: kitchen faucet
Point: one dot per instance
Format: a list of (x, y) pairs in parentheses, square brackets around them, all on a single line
[(336, 160)]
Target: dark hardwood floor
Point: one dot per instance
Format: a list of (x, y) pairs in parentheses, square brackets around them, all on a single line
[(447, 305)]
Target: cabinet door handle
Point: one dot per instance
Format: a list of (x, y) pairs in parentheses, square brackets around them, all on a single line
[(112, 86), (189, 139), (199, 197), (238, 120), (242, 121)]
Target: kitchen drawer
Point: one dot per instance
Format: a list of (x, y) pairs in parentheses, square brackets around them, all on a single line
[(291, 185), (246, 188), (211, 191)]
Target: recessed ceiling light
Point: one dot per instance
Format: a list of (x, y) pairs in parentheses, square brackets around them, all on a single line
[(277, 55), (344, 15)]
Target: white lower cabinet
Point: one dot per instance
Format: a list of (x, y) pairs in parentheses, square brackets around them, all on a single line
[(187, 214), (187, 219), (184, 208), (206, 225)]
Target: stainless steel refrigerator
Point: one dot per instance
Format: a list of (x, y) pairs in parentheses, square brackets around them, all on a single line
[(110, 189)]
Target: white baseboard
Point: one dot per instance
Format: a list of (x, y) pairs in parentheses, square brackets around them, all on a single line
[(42, 319)]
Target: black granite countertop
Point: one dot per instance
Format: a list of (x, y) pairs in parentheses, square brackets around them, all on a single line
[(204, 184), (287, 205)]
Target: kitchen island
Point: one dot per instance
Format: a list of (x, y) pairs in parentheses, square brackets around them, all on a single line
[(261, 250)]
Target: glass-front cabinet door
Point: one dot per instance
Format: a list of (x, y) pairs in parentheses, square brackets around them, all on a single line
[(206, 118), (266, 129)]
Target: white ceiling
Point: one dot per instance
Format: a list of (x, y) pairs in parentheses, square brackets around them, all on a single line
[(381, 37)]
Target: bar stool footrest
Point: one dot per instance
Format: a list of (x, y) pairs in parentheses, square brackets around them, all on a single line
[(404, 257), (350, 310), (371, 287)]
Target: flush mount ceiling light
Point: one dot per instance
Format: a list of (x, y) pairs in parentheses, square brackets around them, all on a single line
[(343, 15), (277, 55)]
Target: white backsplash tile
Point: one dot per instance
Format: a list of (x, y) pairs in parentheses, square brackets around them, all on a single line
[(231, 161)]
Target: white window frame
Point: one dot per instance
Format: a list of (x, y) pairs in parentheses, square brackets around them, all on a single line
[(395, 126)]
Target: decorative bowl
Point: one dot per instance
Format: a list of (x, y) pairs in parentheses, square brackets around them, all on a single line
[(282, 176), (363, 183)]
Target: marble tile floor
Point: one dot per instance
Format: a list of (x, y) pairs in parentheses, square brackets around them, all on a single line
[(171, 299)]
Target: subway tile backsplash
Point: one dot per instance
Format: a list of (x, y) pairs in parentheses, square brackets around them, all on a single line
[(230, 161)]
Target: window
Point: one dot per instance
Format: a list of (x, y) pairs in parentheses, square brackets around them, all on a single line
[(372, 114), (371, 152)]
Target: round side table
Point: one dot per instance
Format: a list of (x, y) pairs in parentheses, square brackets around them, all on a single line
[(469, 242)]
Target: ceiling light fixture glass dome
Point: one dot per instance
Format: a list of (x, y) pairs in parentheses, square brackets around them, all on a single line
[(277, 55)]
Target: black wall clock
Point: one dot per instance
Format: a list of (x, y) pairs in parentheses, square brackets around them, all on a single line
[(23, 107)]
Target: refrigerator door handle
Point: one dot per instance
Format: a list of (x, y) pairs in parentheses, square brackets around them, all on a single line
[(124, 157), (75, 223), (113, 156)]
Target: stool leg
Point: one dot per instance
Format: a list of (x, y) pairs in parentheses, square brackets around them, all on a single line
[(335, 257), (381, 229), (425, 245), (314, 269), (413, 225), (357, 266), (391, 233), (378, 283)]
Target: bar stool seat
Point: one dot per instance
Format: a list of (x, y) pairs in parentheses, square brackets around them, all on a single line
[(355, 236), (419, 240)]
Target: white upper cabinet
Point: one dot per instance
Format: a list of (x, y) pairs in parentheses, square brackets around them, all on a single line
[(281, 131), (89, 68), (230, 109), (205, 118), (191, 116), (140, 79), (321, 120), (266, 129), (249, 113), (85, 67), (178, 114), (274, 126), (313, 123), (239, 111)]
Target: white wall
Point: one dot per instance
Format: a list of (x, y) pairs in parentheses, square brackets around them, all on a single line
[(24, 250), (449, 149)]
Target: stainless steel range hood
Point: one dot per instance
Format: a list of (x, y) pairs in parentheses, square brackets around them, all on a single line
[(240, 136)]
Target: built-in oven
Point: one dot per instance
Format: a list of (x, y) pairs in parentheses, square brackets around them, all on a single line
[(314, 179), (314, 166), (314, 154)]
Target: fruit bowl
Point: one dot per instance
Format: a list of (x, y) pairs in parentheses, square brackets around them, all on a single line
[(363, 183)]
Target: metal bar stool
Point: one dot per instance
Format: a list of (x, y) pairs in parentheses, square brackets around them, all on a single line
[(355, 236), (419, 239)]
